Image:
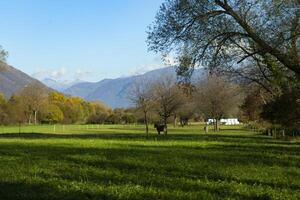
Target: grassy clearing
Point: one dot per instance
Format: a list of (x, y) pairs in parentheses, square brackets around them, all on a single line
[(118, 162)]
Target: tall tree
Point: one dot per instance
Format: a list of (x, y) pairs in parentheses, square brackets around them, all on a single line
[(254, 39)]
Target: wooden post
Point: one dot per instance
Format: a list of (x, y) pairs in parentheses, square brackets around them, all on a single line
[(269, 132), (206, 129)]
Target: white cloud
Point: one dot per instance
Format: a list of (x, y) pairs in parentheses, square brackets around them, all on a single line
[(63, 74), (83, 73), (59, 73), (156, 63), (145, 68)]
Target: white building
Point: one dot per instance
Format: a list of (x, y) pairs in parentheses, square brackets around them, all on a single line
[(229, 121)]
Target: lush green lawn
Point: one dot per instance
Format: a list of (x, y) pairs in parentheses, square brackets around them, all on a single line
[(118, 162)]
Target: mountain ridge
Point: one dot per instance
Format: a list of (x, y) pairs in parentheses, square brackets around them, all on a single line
[(13, 80)]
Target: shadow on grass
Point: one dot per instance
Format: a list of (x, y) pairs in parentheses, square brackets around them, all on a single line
[(161, 171), (34, 191), (232, 138), (23, 191)]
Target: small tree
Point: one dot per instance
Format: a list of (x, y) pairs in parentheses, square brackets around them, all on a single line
[(140, 95), (33, 96), (186, 112), (253, 103), (3, 109), (215, 98), (168, 98)]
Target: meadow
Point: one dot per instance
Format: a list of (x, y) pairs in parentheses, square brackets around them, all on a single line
[(121, 162)]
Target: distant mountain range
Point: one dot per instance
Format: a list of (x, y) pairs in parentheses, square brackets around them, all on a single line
[(114, 92), (13, 80)]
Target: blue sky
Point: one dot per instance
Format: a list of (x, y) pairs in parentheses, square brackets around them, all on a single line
[(85, 39)]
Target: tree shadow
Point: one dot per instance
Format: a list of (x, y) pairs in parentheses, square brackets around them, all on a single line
[(189, 169), (225, 138)]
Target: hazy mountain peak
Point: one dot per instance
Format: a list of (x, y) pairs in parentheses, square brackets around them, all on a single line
[(60, 85)]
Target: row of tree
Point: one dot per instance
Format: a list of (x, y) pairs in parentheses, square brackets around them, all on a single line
[(35, 104), (211, 97)]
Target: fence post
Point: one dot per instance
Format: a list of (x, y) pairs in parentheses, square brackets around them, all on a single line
[(19, 128)]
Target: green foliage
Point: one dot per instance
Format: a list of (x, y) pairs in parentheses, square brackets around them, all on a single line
[(284, 110), (3, 109), (233, 37), (118, 162), (52, 114), (51, 107), (252, 106)]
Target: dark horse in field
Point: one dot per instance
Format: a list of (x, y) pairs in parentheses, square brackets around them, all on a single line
[(159, 127)]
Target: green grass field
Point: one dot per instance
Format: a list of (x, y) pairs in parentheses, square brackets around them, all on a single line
[(119, 162)]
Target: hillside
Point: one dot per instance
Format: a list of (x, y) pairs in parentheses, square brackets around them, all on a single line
[(13, 80), (113, 92)]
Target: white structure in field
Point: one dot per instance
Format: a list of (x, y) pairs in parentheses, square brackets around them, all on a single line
[(230, 121)]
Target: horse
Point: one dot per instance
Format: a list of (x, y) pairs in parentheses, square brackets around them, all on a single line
[(159, 127)]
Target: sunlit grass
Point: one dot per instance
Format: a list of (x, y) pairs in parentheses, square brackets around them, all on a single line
[(120, 162)]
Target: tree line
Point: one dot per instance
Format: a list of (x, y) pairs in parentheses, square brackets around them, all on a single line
[(211, 97), (36, 104)]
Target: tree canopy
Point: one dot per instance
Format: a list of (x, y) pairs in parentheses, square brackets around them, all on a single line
[(255, 39)]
